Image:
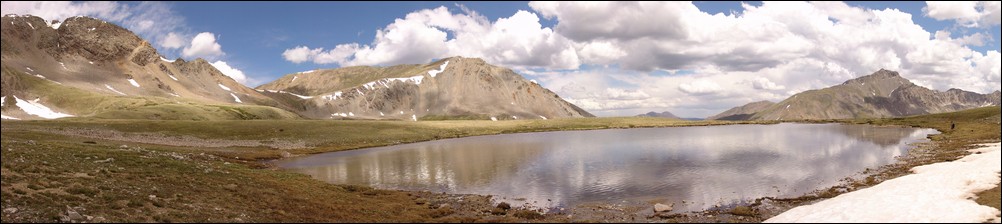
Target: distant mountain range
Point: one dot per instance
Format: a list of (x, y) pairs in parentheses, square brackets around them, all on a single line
[(86, 67), (882, 94), (451, 88), (665, 114)]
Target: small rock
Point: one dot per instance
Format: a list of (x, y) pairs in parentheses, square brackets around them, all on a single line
[(504, 205), (152, 197), (230, 187), (105, 160), (10, 210), (663, 207), (74, 215), (742, 211), (446, 205), (286, 154), (123, 146)]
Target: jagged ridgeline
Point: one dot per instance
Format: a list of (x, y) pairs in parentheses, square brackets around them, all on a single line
[(85, 67)]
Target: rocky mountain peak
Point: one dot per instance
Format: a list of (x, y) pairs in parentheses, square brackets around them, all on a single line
[(881, 75)]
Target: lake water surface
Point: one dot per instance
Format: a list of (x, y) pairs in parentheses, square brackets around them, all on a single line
[(703, 166)]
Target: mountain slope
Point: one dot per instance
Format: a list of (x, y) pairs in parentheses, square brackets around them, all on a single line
[(87, 58), (743, 112), (665, 114), (882, 94), (446, 89)]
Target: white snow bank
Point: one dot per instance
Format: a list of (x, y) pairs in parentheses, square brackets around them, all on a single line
[(113, 90), (441, 69), (235, 98), (332, 96), (938, 192), (29, 24), (165, 60), (381, 114), (133, 82), (3, 100), (300, 96), (172, 77), (224, 87), (494, 119), (541, 116), (64, 65), (294, 78), (533, 81), (415, 79), (414, 117), (37, 109), (55, 25)]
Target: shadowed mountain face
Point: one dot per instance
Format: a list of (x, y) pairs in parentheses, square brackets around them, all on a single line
[(665, 114), (454, 87), (743, 112), (882, 94), (87, 67)]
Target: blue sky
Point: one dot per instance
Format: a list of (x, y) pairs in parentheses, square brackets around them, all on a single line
[(272, 27), (611, 58)]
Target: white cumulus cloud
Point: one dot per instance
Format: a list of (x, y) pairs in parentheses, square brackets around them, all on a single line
[(517, 41), (699, 87), (203, 45), (232, 72), (172, 41), (982, 14)]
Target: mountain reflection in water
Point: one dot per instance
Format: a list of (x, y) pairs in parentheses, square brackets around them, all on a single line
[(703, 166)]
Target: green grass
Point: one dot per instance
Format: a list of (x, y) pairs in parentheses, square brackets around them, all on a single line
[(50, 175)]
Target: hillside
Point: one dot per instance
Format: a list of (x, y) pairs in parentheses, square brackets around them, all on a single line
[(451, 88), (85, 67), (743, 112), (879, 95)]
